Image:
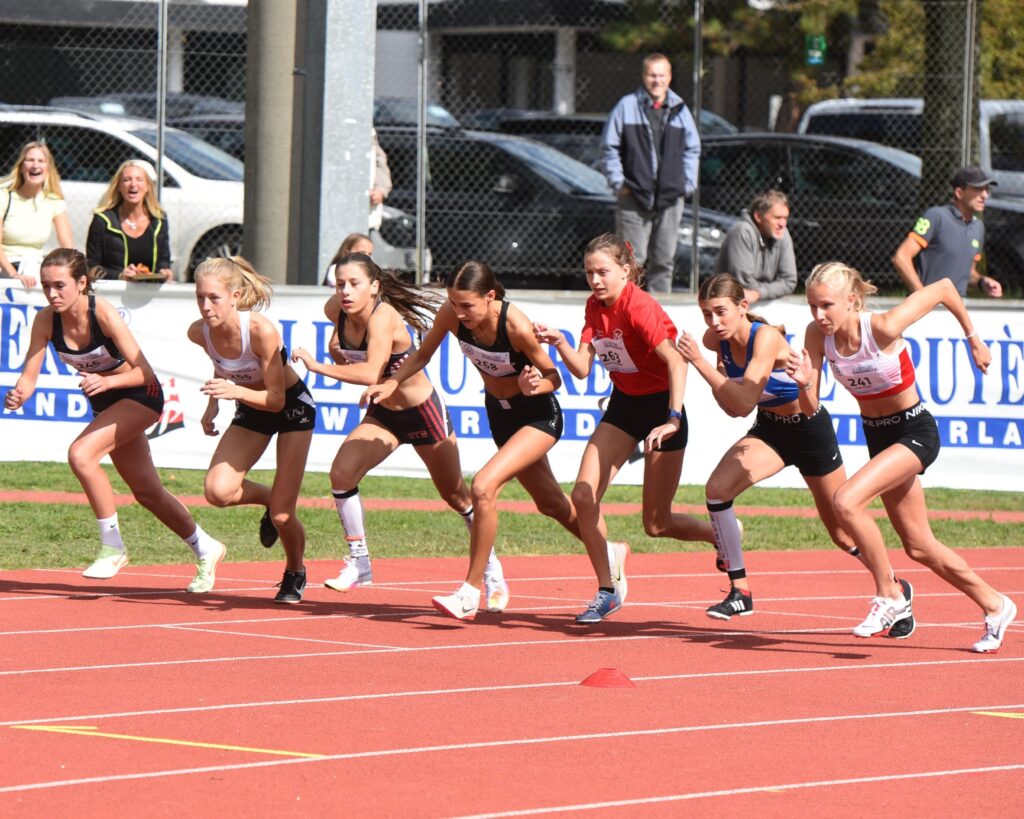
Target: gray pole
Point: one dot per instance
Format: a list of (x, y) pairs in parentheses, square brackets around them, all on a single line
[(161, 94), (698, 71), (966, 119), (421, 151)]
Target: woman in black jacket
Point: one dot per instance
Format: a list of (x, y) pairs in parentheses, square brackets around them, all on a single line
[(128, 236)]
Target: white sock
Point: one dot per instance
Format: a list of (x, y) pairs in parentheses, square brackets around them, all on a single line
[(110, 533), (467, 516), (727, 535), (469, 589), (493, 568), (350, 512), (200, 542)]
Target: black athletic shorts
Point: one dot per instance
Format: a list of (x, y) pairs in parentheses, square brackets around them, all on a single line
[(149, 395), (915, 428), (507, 416), (426, 423), (637, 415), (807, 442), (297, 415)]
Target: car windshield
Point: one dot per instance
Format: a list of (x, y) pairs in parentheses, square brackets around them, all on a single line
[(195, 156), (562, 171)]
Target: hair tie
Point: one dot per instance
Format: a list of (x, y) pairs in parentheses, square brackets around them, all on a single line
[(629, 247)]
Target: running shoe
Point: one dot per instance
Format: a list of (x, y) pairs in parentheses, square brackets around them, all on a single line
[(108, 563), (883, 615), (995, 627), (902, 629), (603, 604), (497, 593), (357, 572), (737, 602), (206, 570), (268, 532), (463, 604), (617, 554), (291, 587)]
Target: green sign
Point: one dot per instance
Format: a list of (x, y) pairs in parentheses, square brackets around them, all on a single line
[(814, 49)]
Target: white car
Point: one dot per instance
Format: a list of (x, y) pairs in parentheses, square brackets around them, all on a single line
[(202, 186)]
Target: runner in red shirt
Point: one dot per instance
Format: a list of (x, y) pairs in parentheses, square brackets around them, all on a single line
[(634, 338)]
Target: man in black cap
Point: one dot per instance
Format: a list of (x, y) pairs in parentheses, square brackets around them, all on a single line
[(948, 240)]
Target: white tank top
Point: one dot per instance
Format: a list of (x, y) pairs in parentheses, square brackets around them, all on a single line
[(869, 373), (247, 368)]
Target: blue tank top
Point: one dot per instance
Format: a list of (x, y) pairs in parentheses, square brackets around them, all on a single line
[(100, 355), (499, 359), (780, 388), (357, 354)]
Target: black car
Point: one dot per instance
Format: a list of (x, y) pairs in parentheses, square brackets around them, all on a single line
[(851, 200), (525, 208)]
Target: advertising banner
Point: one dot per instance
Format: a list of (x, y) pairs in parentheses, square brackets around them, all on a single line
[(980, 417)]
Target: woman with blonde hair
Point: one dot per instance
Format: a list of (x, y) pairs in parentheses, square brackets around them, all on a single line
[(870, 358), (250, 367), (128, 236), (32, 206)]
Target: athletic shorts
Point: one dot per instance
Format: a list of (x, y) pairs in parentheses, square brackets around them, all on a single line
[(297, 415), (807, 442), (426, 423), (915, 428), (149, 395), (507, 416), (637, 415)]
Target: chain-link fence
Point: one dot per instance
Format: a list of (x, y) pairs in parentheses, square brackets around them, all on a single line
[(860, 111)]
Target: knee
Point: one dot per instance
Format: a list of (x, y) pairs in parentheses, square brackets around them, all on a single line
[(554, 507), (282, 519), (79, 460), (845, 506), (653, 527), (217, 495), (584, 499), (342, 479), (717, 490), (483, 493)]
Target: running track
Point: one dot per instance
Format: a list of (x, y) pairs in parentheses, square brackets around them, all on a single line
[(129, 696)]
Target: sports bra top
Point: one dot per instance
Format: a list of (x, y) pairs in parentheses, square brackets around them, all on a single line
[(357, 354), (869, 373), (498, 359), (247, 368), (780, 388), (100, 355)]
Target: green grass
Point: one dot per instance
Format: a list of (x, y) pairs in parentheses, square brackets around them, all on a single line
[(62, 535)]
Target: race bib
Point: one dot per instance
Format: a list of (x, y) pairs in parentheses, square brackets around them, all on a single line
[(613, 354), (353, 356), (488, 362)]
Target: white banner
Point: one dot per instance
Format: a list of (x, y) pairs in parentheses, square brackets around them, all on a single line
[(981, 418)]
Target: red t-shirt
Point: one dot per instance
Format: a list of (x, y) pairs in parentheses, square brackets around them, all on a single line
[(624, 336)]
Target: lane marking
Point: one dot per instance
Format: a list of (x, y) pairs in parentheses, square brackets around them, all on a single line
[(509, 743), (436, 692), (999, 714), (777, 788), (90, 731)]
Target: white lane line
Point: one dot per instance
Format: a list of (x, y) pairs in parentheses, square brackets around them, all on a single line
[(445, 692), (507, 743), (284, 637), (788, 786)]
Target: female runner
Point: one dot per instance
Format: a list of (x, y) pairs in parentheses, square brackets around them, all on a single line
[(868, 355), (90, 336), (250, 368), (522, 411), (791, 428), (370, 311), (634, 338)]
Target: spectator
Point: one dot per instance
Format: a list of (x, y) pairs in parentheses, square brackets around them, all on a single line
[(649, 154), (353, 243), (33, 205), (129, 236), (948, 240), (380, 185), (758, 250)]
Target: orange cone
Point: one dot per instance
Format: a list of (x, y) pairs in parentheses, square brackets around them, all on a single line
[(609, 678)]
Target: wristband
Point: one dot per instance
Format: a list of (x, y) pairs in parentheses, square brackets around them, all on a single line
[(805, 387), (971, 334), (675, 414)]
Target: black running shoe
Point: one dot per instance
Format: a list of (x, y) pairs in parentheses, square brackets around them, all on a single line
[(736, 603), (902, 629), (268, 532), (291, 585)]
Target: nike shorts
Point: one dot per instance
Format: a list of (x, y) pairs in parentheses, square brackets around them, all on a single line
[(915, 428)]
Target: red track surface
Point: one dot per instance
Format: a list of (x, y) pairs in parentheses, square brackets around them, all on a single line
[(377, 706)]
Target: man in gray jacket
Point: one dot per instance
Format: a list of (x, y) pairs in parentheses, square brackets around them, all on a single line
[(758, 250), (649, 155)]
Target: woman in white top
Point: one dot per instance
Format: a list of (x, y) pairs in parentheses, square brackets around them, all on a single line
[(32, 205), (869, 357)]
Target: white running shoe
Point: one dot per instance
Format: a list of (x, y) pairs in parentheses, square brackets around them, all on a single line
[(206, 571), (995, 627), (108, 563), (497, 593), (883, 614), (357, 572), (617, 554), (463, 604)]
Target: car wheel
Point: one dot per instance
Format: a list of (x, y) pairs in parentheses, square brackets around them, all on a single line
[(224, 241)]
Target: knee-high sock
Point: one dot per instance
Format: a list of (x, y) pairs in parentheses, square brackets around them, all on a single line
[(727, 536), (350, 512)]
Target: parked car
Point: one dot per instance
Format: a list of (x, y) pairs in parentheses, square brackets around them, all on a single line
[(143, 104), (202, 186), (897, 121), (851, 200), (525, 208)]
